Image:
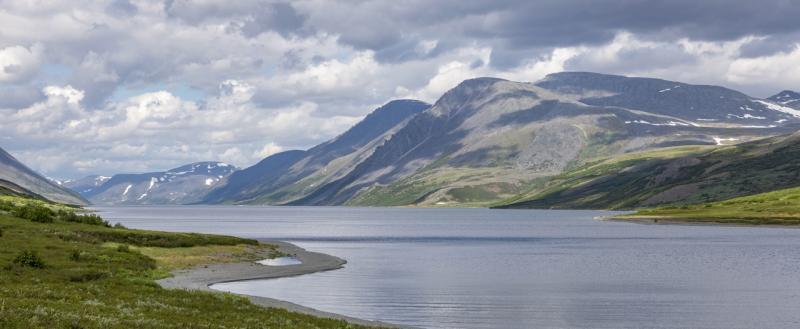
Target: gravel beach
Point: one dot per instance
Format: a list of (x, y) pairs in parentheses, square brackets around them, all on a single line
[(200, 278)]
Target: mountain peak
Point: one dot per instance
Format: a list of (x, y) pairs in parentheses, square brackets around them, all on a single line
[(203, 167), (787, 97), (479, 82)]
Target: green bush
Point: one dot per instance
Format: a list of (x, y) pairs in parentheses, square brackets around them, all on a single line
[(29, 258), (156, 239), (80, 255), (39, 214), (6, 206), (123, 248), (91, 219), (87, 275)]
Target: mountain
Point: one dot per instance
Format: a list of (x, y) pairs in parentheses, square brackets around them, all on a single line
[(182, 185), (16, 178), (84, 185), (256, 180), (284, 176), (683, 175), (699, 104), (488, 139), (787, 98)]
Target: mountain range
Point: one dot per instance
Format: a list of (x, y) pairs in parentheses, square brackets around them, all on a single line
[(488, 139), (491, 141), (182, 185)]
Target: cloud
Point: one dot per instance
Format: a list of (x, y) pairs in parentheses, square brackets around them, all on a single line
[(267, 150), (155, 129), (18, 63), (781, 67)]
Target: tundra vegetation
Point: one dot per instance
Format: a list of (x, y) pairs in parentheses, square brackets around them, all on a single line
[(61, 267)]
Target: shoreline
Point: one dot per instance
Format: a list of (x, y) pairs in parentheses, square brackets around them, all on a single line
[(677, 221), (202, 277)]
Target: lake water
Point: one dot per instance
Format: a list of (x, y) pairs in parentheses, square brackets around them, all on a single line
[(480, 268)]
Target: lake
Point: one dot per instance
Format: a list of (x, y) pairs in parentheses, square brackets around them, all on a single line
[(481, 268)]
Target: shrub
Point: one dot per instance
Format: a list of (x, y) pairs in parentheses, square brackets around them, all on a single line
[(119, 225), (91, 219), (29, 258), (39, 214), (86, 276), (6, 206), (123, 248), (79, 255), (159, 239)]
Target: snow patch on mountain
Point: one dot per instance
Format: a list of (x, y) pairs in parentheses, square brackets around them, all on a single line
[(668, 123), (720, 141), (668, 89), (780, 108)]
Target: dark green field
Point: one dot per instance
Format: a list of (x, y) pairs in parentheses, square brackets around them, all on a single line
[(57, 272), (780, 207)]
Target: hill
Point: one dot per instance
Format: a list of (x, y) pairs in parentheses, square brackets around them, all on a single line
[(682, 175), (779, 207), (16, 178)]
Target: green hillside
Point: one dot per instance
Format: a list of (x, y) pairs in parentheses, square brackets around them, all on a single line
[(781, 207), (61, 269), (681, 175)]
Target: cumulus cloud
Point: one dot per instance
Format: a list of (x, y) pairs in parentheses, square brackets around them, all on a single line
[(160, 130), (131, 85), (18, 63)]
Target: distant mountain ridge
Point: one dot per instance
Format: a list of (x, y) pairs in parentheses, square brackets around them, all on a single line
[(18, 178), (85, 184), (181, 185), (488, 139), (281, 177), (698, 104), (788, 98)]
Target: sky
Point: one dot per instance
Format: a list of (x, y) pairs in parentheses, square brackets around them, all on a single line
[(105, 87)]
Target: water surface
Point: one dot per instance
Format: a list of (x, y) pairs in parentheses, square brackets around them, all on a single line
[(480, 268)]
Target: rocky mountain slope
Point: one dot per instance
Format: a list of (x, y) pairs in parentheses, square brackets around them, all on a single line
[(182, 185), (682, 175), (699, 105), (16, 178), (288, 175), (489, 139)]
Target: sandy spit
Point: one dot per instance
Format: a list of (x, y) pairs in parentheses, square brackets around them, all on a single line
[(200, 278)]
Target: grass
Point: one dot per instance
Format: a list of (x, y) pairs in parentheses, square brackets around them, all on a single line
[(170, 259), (75, 275), (781, 207)]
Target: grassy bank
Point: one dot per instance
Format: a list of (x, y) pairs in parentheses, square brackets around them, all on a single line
[(73, 271), (781, 207)]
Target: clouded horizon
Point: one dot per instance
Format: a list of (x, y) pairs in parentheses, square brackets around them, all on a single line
[(132, 86)]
